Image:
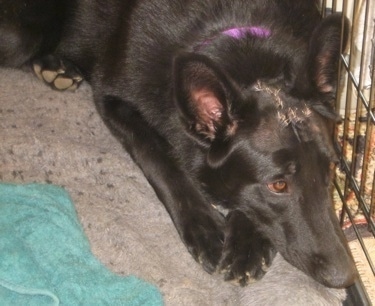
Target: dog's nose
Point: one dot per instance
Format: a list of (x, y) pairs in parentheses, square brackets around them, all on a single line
[(340, 274), (339, 279)]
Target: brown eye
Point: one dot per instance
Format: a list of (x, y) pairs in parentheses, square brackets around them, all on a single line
[(278, 186)]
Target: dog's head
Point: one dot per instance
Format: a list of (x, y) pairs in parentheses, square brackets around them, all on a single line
[(269, 149)]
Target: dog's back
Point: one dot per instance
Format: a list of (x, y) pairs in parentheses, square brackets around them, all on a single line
[(88, 32)]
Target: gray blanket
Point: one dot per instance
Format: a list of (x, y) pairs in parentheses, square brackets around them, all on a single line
[(54, 137)]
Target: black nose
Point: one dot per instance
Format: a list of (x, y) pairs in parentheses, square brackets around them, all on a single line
[(338, 279), (339, 274)]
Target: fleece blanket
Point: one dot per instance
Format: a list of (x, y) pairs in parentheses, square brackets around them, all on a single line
[(53, 137), (45, 258)]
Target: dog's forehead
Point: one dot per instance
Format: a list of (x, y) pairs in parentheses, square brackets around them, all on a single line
[(286, 123), (290, 110), (276, 152), (277, 113), (271, 136)]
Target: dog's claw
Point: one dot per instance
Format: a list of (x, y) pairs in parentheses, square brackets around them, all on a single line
[(204, 239), (244, 272), (57, 73), (246, 254)]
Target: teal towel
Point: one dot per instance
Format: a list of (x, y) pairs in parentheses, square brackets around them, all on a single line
[(45, 257)]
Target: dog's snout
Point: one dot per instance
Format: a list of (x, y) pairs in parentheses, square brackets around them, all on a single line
[(338, 274)]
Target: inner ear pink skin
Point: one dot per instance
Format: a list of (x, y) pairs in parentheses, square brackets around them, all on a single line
[(322, 79), (208, 107)]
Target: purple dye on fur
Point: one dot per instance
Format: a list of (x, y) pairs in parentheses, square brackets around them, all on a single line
[(239, 33)]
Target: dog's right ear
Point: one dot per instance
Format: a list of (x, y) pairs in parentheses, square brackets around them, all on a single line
[(318, 77), (327, 42), (204, 96)]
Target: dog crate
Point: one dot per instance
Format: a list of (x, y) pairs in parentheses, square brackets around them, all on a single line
[(354, 194)]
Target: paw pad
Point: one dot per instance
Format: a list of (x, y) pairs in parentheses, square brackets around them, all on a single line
[(57, 73)]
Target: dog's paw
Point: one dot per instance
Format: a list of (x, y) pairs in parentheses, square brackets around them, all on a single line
[(246, 253), (57, 73), (204, 239)]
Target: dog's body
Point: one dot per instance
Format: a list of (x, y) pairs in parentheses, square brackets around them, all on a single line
[(222, 103)]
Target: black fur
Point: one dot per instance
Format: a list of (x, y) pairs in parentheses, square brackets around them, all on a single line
[(216, 123)]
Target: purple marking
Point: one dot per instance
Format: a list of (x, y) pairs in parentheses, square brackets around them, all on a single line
[(239, 33)]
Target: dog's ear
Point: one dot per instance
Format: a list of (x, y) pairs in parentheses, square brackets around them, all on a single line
[(204, 96), (318, 77), (327, 42)]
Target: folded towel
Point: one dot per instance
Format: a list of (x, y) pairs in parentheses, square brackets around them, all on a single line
[(45, 257)]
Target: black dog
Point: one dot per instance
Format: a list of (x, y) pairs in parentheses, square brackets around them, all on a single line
[(226, 105)]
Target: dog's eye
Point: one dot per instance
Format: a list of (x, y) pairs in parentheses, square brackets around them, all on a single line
[(278, 186)]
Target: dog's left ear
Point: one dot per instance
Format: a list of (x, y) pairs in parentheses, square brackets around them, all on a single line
[(204, 96), (327, 42)]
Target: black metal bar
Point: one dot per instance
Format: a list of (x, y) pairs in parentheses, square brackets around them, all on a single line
[(355, 228), (357, 295)]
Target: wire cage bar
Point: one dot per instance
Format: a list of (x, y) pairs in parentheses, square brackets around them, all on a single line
[(354, 140)]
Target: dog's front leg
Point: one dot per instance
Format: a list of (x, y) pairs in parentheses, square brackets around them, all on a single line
[(198, 223), (247, 253)]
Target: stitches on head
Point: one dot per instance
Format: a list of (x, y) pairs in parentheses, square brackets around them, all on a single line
[(286, 114)]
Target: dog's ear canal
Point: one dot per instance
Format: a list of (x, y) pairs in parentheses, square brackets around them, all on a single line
[(327, 42), (204, 97)]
